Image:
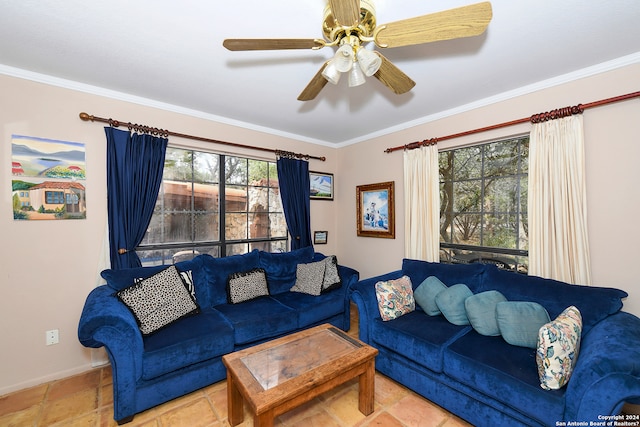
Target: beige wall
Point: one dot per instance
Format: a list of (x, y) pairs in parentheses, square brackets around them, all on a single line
[(48, 267)]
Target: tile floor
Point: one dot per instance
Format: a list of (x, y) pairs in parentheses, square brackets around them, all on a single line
[(86, 400)]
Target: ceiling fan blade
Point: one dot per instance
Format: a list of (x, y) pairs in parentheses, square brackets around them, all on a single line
[(272, 44), (315, 86), (464, 21), (392, 77), (346, 12)]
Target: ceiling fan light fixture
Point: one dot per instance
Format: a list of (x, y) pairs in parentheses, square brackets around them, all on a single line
[(343, 58), (369, 61), (331, 73), (356, 77)]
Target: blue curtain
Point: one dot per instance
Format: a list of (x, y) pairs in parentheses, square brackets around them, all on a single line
[(134, 174), (295, 191)]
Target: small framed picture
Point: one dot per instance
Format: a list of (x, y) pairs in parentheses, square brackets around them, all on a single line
[(375, 210), (320, 237), (321, 185)]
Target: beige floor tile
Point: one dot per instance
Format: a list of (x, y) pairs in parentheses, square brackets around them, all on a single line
[(69, 407), (319, 418), (345, 408), (26, 417), (63, 388), (414, 411), (198, 413), (23, 399), (87, 420), (388, 391), (382, 419)]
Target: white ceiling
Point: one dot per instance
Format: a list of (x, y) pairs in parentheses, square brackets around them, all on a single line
[(169, 54)]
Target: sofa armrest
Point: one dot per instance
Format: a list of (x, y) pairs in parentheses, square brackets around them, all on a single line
[(607, 372), (364, 296), (349, 277), (105, 321)]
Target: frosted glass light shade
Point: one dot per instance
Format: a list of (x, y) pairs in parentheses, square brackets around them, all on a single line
[(369, 62), (356, 77), (344, 58), (331, 73)]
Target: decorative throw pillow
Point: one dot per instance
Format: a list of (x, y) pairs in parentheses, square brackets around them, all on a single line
[(451, 303), (425, 295), (246, 285), (332, 279), (309, 278), (481, 311), (395, 298), (187, 278), (558, 348), (520, 321), (158, 300)]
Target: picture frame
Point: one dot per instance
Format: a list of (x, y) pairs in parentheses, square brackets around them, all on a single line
[(375, 210), (320, 237), (321, 184)]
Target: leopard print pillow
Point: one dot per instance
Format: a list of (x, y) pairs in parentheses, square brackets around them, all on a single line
[(309, 278), (159, 300), (247, 285), (331, 279)]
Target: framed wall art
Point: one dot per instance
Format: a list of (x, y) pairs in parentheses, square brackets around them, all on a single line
[(321, 185), (320, 237), (375, 210)]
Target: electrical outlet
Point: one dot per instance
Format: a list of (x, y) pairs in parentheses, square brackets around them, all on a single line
[(52, 337)]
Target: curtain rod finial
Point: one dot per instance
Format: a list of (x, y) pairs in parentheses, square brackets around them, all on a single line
[(84, 116)]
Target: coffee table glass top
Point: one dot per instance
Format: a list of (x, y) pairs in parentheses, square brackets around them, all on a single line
[(275, 365)]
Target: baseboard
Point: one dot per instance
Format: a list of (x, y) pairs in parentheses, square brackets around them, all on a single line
[(45, 379)]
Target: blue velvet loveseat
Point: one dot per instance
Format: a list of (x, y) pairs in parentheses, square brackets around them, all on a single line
[(150, 367), (480, 376)]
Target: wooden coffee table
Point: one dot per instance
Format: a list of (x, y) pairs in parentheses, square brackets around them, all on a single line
[(279, 375)]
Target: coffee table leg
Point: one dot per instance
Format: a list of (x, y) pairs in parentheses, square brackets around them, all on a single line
[(263, 420), (235, 403), (367, 389)]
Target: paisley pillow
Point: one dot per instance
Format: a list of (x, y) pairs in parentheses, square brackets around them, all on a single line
[(558, 348), (395, 298)]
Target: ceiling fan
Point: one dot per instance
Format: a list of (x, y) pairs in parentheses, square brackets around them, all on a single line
[(350, 24)]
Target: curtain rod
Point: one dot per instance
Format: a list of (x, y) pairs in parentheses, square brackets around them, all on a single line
[(549, 115), (165, 133)]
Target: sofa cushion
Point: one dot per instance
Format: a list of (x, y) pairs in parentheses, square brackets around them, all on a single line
[(259, 319), (281, 267), (219, 269), (558, 348), (481, 311), (395, 298), (451, 303), (203, 336), (158, 300), (313, 309), (332, 279), (309, 278), (246, 285), (425, 295), (520, 321), (450, 274), (594, 303), (418, 337), (505, 373)]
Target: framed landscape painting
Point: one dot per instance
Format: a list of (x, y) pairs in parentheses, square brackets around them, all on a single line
[(321, 185), (375, 210)]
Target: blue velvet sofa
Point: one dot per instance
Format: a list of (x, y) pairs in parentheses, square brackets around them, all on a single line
[(186, 355), (487, 381)]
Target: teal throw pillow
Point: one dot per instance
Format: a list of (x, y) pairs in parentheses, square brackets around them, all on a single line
[(481, 311), (425, 295), (520, 321), (451, 303)]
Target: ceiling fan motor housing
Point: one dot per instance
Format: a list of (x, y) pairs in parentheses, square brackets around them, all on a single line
[(333, 30)]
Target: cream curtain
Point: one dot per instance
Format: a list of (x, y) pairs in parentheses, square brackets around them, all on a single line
[(557, 205), (422, 203)]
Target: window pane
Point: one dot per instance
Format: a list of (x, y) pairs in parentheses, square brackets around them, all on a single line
[(467, 196), (237, 249), (278, 225), (500, 231), (275, 202), (207, 226), (235, 198), (235, 170), (236, 226), (258, 199), (501, 195), (466, 229), (501, 158), (258, 225), (258, 172), (467, 163), (178, 227), (206, 167), (278, 246), (178, 165)]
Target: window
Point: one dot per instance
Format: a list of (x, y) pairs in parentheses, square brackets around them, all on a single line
[(54, 197), (483, 204), (216, 204)]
